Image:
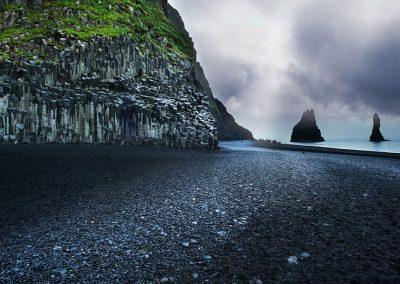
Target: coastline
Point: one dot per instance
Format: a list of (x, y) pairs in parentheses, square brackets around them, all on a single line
[(326, 150)]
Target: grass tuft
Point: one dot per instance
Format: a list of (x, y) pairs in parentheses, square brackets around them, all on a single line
[(140, 20)]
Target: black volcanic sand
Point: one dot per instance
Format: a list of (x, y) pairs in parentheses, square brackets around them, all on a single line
[(108, 213)]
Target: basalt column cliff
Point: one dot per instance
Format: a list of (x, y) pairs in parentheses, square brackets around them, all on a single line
[(109, 71)]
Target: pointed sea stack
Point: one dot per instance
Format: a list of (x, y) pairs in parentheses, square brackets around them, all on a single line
[(307, 130), (376, 135)]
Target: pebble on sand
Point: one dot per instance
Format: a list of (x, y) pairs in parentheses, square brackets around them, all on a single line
[(61, 271), (305, 255), (221, 233), (164, 280), (207, 257), (57, 248), (292, 260)]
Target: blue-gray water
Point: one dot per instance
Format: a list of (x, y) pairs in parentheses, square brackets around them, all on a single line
[(392, 146)]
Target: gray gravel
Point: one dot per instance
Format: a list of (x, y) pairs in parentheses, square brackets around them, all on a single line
[(106, 213)]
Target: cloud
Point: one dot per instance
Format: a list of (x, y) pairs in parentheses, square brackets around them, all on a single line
[(377, 79), (270, 60), (347, 60), (236, 79)]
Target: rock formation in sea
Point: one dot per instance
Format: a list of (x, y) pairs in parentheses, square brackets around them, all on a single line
[(115, 72), (376, 135), (307, 130)]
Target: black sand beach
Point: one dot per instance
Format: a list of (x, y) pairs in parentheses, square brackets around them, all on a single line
[(108, 213)]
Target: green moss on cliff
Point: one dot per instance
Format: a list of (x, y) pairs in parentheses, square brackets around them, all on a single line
[(141, 20)]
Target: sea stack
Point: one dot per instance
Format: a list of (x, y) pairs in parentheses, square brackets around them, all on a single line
[(376, 135), (307, 130)]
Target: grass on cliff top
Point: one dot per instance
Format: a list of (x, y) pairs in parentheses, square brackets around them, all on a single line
[(141, 20)]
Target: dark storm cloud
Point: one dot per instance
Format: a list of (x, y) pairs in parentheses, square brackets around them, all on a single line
[(377, 81), (334, 66), (232, 79), (269, 60)]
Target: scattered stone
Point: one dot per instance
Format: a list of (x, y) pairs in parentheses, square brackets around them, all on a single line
[(221, 233), (305, 255), (207, 257), (185, 244), (292, 260), (256, 281), (164, 280), (57, 248), (61, 271)]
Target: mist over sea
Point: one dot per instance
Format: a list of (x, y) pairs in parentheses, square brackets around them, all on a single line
[(392, 146)]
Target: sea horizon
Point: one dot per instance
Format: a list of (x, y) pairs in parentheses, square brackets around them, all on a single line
[(390, 146)]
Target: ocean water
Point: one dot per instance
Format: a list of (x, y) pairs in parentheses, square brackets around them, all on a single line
[(392, 146), (244, 145)]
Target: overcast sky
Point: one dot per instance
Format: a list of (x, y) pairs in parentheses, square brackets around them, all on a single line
[(269, 60)]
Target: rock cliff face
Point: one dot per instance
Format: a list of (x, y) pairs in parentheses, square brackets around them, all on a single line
[(101, 72), (228, 128), (307, 130), (376, 135), (121, 96)]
